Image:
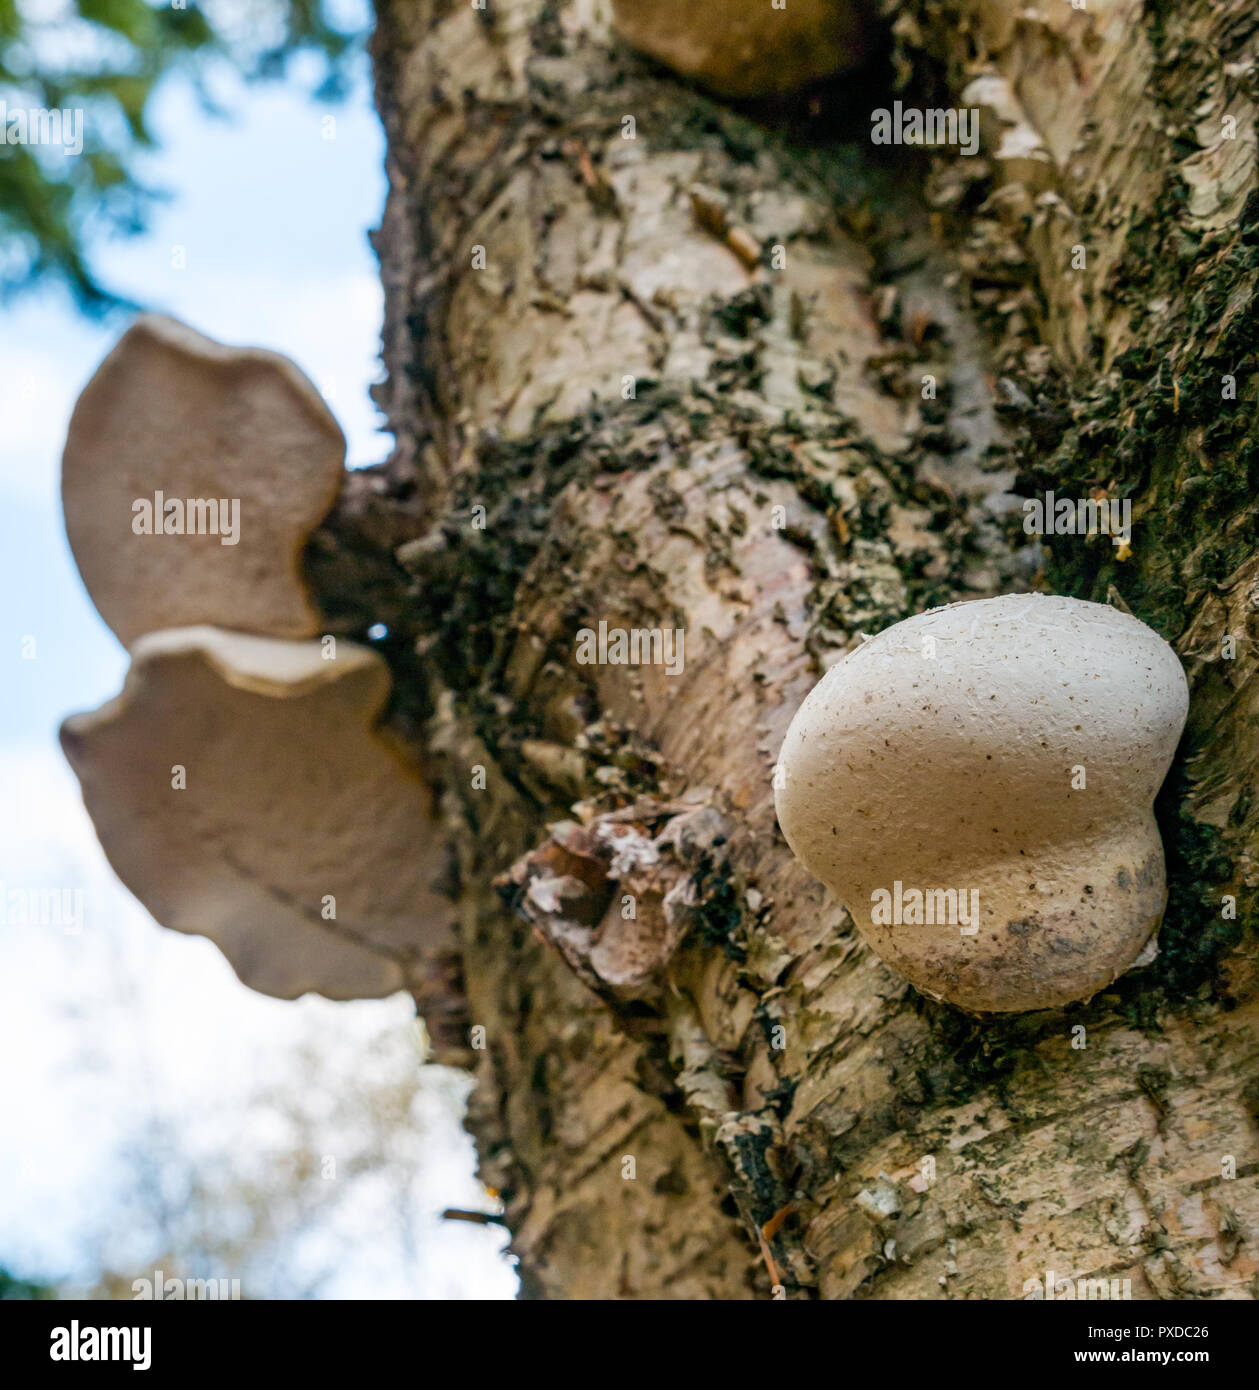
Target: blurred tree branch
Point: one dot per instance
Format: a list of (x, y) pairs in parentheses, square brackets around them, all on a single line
[(107, 59)]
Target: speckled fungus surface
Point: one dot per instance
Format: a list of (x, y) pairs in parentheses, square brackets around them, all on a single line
[(192, 476), (747, 48), (242, 791), (976, 784)]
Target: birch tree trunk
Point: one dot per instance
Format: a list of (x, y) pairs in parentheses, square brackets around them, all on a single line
[(745, 377)]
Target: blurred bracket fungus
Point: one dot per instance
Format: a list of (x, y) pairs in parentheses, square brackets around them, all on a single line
[(231, 449), (748, 48), (241, 791), (241, 785), (976, 784)]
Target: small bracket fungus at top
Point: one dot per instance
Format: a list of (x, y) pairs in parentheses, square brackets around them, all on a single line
[(241, 790), (747, 48), (976, 784), (192, 476)]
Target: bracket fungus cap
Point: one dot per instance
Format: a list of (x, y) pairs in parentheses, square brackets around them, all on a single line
[(747, 48), (185, 427), (290, 804), (1001, 754)]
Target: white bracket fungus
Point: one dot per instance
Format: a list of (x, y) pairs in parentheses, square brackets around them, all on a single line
[(976, 784), (240, 785), (192, 476), (241, 790)]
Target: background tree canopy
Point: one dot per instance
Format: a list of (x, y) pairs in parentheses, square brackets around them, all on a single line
[(106, 58)]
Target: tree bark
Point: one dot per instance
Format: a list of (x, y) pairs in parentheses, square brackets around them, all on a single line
[(661, 365)]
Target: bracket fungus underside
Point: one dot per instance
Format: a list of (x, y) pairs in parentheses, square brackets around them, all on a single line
[(173, 430), (1003, 753), (240, 784), (749, 48), (241, 790)]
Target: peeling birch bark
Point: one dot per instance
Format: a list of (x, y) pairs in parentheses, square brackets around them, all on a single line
[(679, 382)]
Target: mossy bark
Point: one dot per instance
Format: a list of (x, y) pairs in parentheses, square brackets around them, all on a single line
[(665, 366)]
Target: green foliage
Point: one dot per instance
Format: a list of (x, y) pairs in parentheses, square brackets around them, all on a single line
[(13, 1289), (107, 58)]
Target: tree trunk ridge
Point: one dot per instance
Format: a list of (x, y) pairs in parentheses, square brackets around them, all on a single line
[(723, 381)]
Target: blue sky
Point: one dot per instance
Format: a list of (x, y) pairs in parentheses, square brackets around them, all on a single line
[(105, 1027)]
